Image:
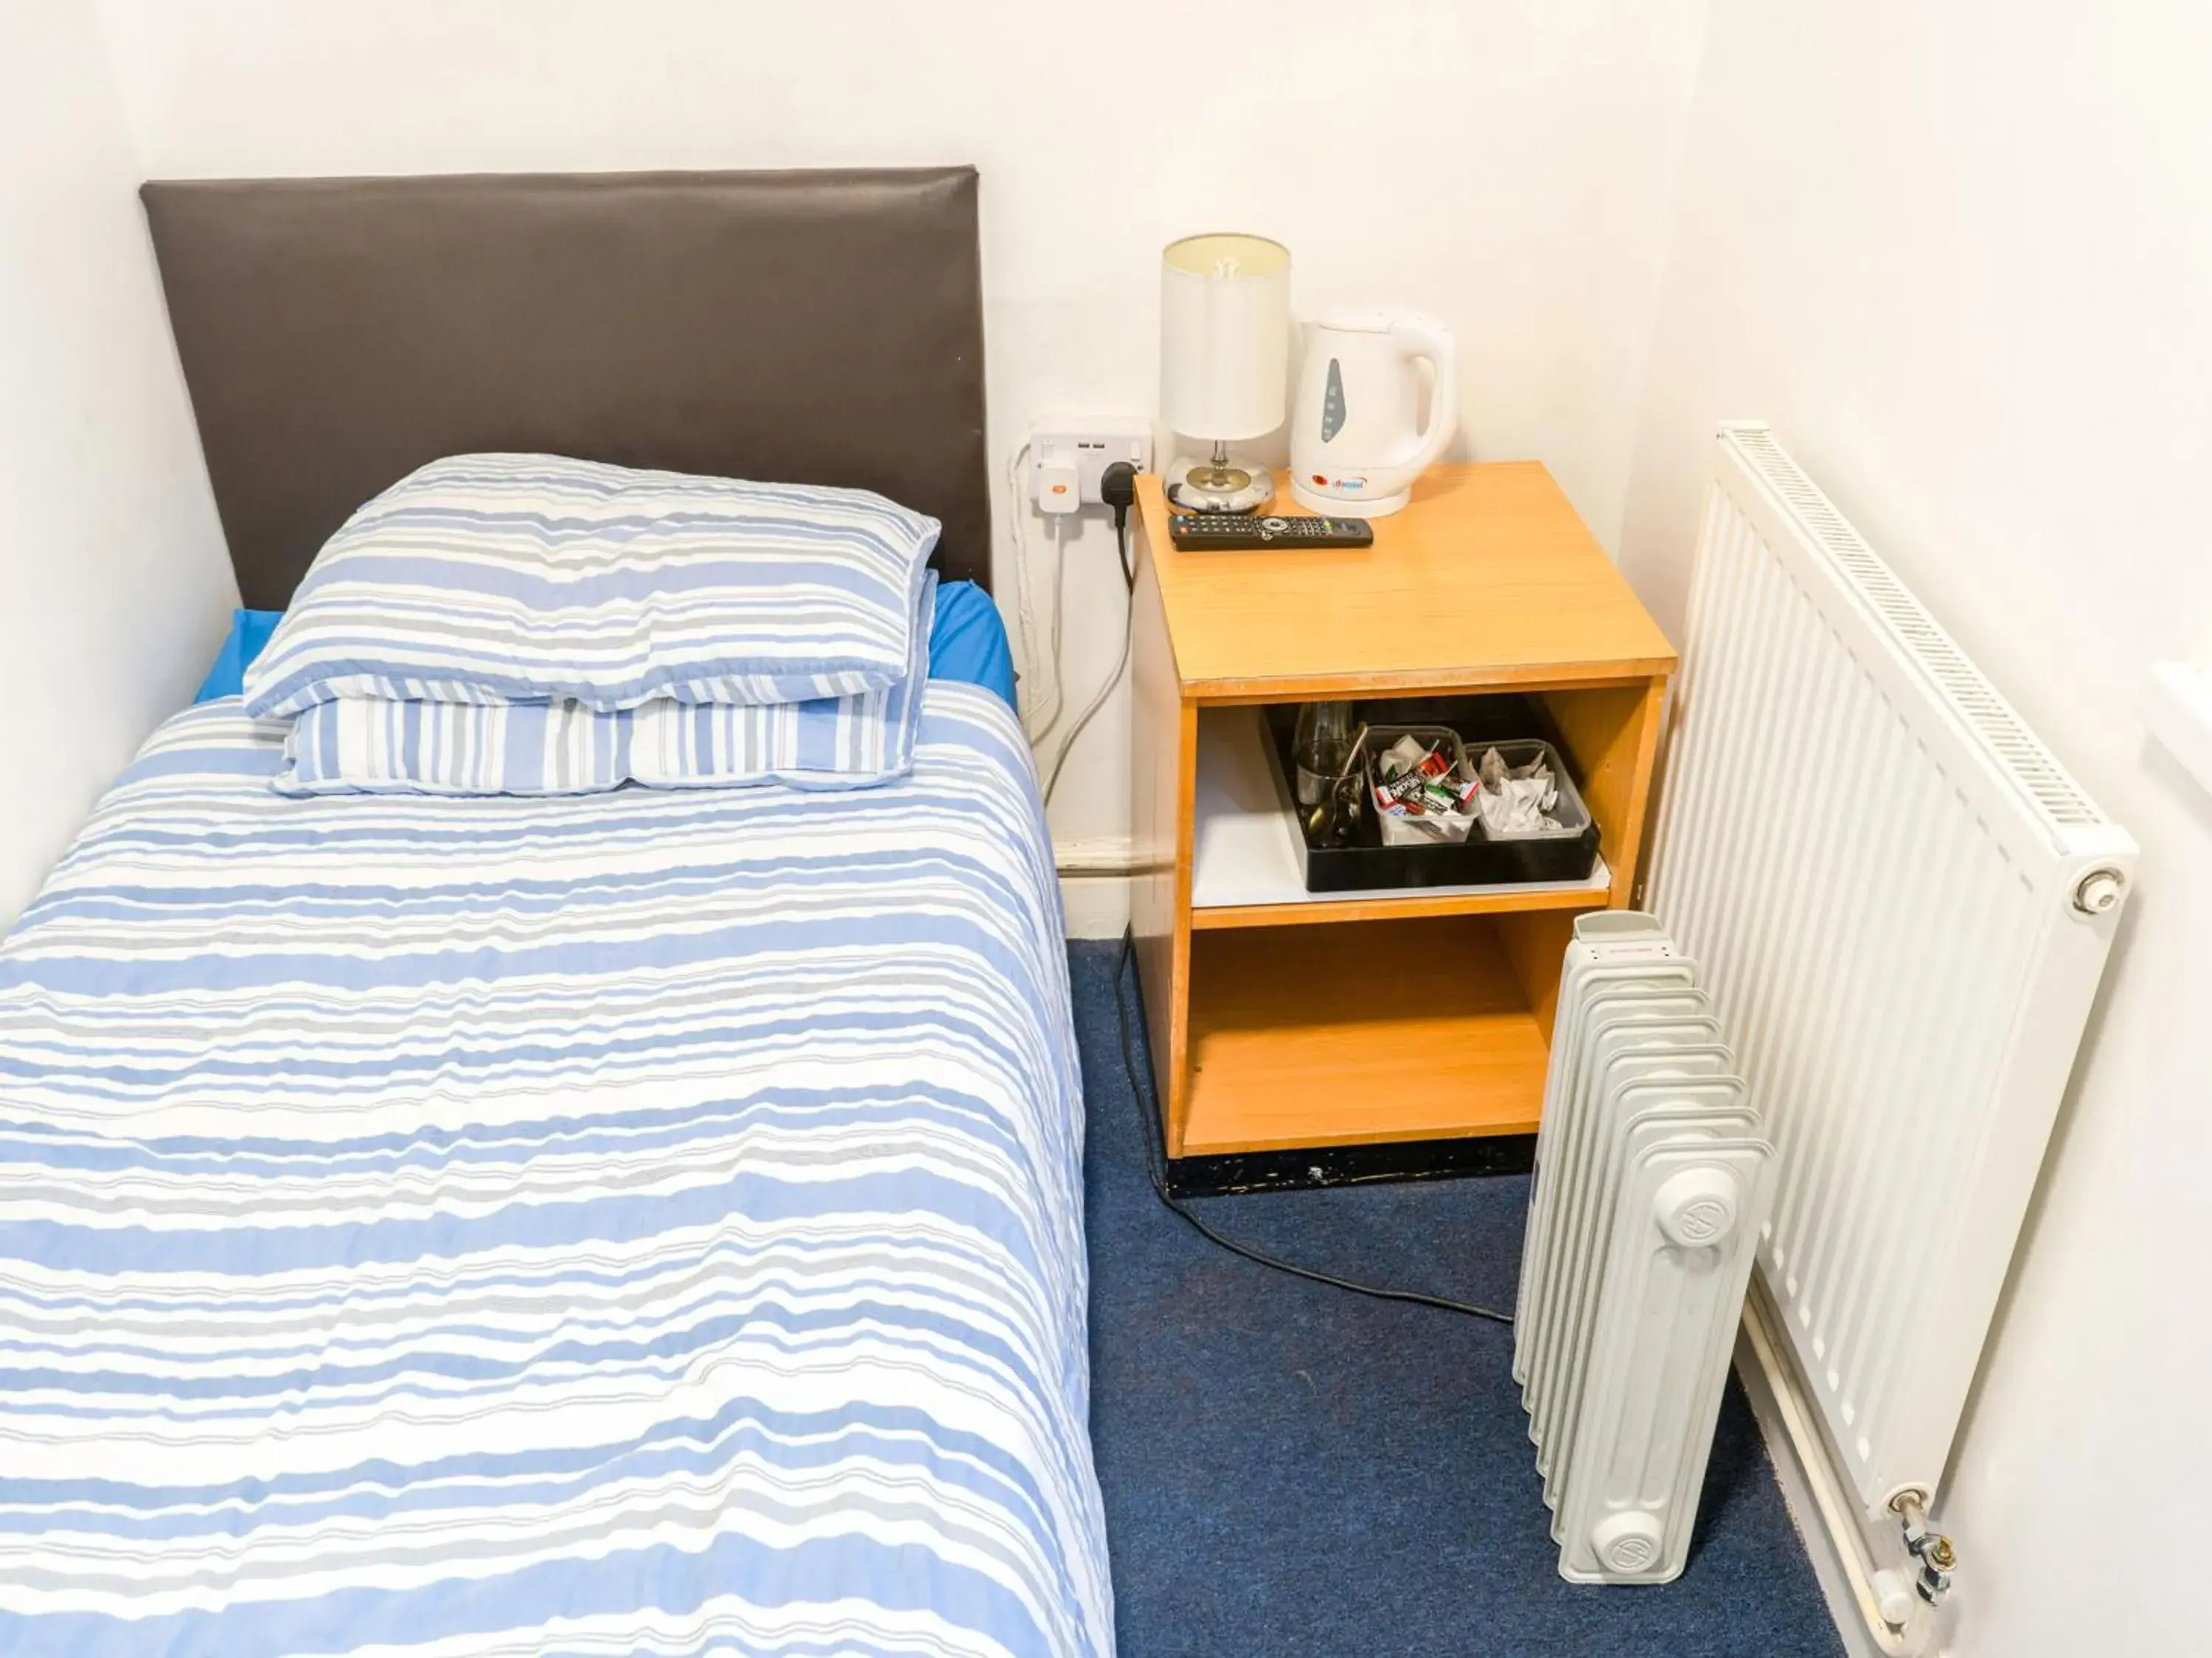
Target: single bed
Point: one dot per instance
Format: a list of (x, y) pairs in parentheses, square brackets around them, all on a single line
[(645, 1221)]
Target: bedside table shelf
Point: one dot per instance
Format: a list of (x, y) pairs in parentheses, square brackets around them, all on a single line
[(1245, 870), (1419, 1018), (1360, 1034)]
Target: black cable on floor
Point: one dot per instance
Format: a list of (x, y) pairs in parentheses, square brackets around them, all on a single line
[(1148, 1121)]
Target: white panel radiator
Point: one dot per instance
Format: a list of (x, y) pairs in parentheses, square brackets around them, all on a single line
[(1900, 906), (1651, 1184)]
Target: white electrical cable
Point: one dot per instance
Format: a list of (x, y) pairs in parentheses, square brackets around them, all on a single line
[(1024, 610), (1067, 746), (1045, 667), (1060, 538), (1120, 667)]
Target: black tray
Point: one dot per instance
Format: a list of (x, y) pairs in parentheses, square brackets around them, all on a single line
[(1367, 863)]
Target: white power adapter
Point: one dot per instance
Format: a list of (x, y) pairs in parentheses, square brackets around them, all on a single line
[(1059, 486)]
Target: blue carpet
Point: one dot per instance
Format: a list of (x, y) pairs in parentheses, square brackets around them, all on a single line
[(1295, 1472)]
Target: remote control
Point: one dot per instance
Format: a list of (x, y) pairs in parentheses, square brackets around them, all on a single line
[(1193, 532)]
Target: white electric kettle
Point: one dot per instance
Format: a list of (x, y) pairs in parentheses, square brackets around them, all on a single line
[(1355, 449)]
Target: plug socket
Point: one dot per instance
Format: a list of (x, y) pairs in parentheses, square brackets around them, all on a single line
[(1089, 444)]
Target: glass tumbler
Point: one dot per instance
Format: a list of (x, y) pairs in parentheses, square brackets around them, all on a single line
[(1322, 745)]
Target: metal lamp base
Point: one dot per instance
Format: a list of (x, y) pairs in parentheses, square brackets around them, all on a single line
[(1216, 486)]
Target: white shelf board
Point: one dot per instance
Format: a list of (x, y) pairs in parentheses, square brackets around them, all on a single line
[(1243, 851)]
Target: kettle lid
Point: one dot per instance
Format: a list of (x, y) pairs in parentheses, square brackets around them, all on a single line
[(1368, 318)]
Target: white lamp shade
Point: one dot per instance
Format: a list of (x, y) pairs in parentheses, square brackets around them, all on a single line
[(1225, 335)]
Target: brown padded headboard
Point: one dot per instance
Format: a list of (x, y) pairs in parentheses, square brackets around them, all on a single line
[(816, 327)]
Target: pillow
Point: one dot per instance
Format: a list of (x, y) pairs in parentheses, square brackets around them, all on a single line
[(967, 644), (490, 578), (375, 745)]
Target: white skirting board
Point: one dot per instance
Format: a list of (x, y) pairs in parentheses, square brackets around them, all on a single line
[(1095, 874), (1834, 1536), (1097, 906)]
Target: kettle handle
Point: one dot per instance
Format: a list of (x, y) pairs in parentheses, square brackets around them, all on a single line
[(1420, 336)]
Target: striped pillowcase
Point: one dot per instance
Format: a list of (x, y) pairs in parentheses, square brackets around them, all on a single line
[(355, 745), (491, 578)]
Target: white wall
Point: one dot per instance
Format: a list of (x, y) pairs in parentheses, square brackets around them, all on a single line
[(112, 566), (1500, 162), (1961, 256)]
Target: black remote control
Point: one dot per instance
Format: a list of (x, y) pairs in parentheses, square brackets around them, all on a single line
[(1193, 532)]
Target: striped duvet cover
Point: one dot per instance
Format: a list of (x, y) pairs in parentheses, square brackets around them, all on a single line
[(639, 1223)]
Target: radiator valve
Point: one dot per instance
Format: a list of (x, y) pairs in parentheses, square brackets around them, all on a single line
[(2100, 891), (1931, 1549)]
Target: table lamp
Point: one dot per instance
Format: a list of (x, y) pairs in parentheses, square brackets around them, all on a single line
[(1225, 355)]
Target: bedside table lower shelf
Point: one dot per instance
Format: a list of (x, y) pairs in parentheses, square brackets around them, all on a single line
[(1364, 1033)]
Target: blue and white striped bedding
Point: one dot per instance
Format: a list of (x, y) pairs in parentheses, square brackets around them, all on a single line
[(643, 1222), (522, 577), (371, 744)]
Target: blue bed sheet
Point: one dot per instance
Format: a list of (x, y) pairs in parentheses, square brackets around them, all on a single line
[(967, 644), (249, 633)]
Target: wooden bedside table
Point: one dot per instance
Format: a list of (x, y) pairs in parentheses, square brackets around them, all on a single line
[(1297, 1036)]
